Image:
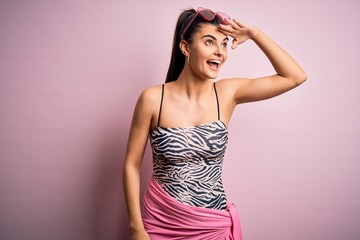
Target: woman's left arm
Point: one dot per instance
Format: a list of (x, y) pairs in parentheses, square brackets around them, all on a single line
[(289, 73)]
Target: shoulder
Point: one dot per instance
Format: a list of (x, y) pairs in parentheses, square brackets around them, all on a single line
[(231, 86), (147, 106), (150, 98), (151, 94)]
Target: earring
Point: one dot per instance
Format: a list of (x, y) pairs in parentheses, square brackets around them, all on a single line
[(187, 58)]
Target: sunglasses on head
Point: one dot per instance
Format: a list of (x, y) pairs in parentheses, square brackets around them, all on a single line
[(208, 15)]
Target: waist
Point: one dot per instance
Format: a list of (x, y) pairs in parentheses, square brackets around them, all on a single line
[(166, 218), (195, 192)]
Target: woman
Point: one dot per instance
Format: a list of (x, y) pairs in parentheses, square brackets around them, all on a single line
[(186, 120)]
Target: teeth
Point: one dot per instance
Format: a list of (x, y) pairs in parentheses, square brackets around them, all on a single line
[(215, 61)]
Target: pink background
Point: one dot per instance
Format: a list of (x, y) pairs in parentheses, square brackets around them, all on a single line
[(71, 71)]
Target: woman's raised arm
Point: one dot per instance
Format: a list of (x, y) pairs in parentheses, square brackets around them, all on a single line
[(289, 73)]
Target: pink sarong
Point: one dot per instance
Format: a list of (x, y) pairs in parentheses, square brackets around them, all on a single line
[(166, 218)]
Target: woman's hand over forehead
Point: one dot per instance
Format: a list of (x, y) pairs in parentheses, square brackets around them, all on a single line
[(239, 31)]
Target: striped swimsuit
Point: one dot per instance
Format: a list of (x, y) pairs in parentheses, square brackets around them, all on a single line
[(187, 161)]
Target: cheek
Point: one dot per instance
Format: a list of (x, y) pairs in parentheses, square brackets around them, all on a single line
[(225, 55), (198, 53), (202, 56)]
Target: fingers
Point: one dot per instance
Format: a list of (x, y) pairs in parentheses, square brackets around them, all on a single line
[(226, 29), (252, 30), (239, 31), (234, 44), (236, 24), (240, 24), (233, 26)]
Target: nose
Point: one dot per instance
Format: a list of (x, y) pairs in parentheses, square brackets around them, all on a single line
[(219, 51)]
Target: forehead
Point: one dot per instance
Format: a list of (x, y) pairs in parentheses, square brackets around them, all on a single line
[(210, 29)]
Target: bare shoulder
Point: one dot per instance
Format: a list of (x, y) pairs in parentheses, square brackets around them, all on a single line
[(228, 84), (227, 90), (141, 123), (148, 102), (230, 87), (151, 95)]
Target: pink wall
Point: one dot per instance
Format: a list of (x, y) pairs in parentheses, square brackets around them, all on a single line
[(71, 71)]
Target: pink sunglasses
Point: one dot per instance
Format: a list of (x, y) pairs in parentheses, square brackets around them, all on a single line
[(208, 15)]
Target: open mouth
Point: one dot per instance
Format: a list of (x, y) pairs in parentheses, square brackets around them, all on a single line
[(214, 64)]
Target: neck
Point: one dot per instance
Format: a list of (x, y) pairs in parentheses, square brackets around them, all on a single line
[(194, 86)]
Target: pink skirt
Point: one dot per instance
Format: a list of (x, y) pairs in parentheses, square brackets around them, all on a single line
[(166, 218)]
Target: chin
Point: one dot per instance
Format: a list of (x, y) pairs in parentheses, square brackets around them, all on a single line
[(213, 75), (210, 74)]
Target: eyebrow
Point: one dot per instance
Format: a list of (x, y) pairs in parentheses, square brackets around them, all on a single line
[(211, 36)]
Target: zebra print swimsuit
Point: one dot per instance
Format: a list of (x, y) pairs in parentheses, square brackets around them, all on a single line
[(187, 161)]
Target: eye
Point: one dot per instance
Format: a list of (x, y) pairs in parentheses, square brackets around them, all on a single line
[(224, 44), (209, 42)]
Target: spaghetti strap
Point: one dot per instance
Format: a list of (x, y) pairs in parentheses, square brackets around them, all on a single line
[(162, 97), (217, 102)]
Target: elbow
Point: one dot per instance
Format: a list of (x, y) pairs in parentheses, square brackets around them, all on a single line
[(303, 79), (300, 78)]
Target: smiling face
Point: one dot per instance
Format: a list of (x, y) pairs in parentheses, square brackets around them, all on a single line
[(207, 51)]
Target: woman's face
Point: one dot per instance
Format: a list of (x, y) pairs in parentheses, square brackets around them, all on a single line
[(208, 51)]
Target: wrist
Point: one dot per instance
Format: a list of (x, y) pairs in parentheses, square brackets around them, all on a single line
[(134, 230), (136, 226), (254, 32)]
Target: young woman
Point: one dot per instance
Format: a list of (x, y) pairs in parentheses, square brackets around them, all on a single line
[(186, 121)]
